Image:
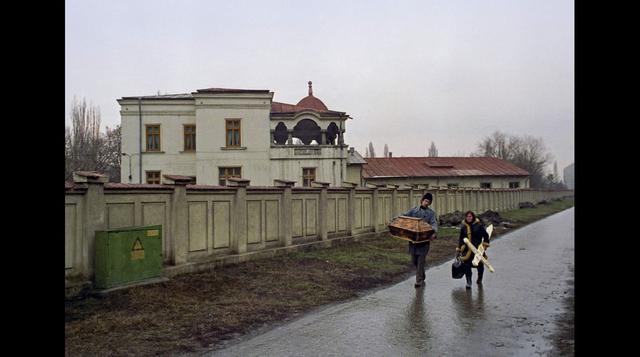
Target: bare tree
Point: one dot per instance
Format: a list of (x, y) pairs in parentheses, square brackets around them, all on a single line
[(366, 153), (433, 152), (111, 153), (372, 152), (86, 149), (526, 152), (386, 150)]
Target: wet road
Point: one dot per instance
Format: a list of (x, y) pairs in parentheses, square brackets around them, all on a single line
[(512, 315)]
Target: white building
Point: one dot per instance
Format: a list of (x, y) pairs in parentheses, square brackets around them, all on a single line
[(216, 133)]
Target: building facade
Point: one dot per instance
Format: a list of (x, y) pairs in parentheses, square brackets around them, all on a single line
[(218, 133), (475, 172)]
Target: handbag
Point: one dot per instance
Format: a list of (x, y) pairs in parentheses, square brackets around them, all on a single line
[(457, 268)]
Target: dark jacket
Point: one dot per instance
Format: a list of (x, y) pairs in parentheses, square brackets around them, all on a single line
[(428, 215), (476, 233)]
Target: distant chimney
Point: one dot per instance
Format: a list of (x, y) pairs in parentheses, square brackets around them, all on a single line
[(351, 150), (390, 154), (310, 89)]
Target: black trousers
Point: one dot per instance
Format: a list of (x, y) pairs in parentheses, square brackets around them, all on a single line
[(469, 273), (418, 262)]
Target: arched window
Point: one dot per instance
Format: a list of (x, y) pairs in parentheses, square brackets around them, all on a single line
[(280, 134), (332, 133), (307, 130)]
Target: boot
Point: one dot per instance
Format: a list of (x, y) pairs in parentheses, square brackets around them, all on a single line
[(468, 281)]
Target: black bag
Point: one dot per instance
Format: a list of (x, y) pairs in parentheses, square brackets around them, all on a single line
[(457, 268)]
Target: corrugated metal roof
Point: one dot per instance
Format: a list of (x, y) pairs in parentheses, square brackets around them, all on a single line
[(439, 167)]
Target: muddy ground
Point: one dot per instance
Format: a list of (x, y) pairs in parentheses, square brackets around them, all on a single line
[(197, 311)]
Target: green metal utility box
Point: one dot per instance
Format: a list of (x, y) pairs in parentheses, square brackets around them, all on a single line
[(126, 255)]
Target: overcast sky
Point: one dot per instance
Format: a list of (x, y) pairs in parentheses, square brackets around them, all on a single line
[(408, 72)]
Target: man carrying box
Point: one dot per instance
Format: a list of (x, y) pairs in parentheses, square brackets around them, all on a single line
[(418, 251)]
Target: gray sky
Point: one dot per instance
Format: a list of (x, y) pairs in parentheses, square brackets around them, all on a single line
[(409, 72)]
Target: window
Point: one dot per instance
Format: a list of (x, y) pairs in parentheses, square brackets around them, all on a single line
[(189, 138), (308, 176), (485, 184), (228, 172), (153, 177), (452, 185), (153, 137), (233, 132), (514, 184)]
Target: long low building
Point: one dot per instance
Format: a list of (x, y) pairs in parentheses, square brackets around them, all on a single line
[(481, 172)]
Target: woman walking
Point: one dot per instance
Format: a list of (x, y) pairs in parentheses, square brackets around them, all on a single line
[(472, 229)]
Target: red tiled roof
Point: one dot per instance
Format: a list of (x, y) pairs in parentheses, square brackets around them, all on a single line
[(312, 102), (280, 108), (439, 167), (277, 107)]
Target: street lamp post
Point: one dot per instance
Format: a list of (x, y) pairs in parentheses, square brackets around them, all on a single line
[(130, 156)]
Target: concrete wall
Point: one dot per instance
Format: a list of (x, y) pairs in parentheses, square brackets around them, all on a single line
[(354, 174), (203, 224)]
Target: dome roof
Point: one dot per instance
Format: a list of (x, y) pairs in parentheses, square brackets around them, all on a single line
[(311, 102)]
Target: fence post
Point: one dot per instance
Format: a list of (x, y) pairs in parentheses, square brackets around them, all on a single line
[(240, 217), (322, 209), (394, 202), (351, 209), (94, 215), (375, 207), (467, 199), (179, 218), (446, 201), (286, 214), (410, 199)]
